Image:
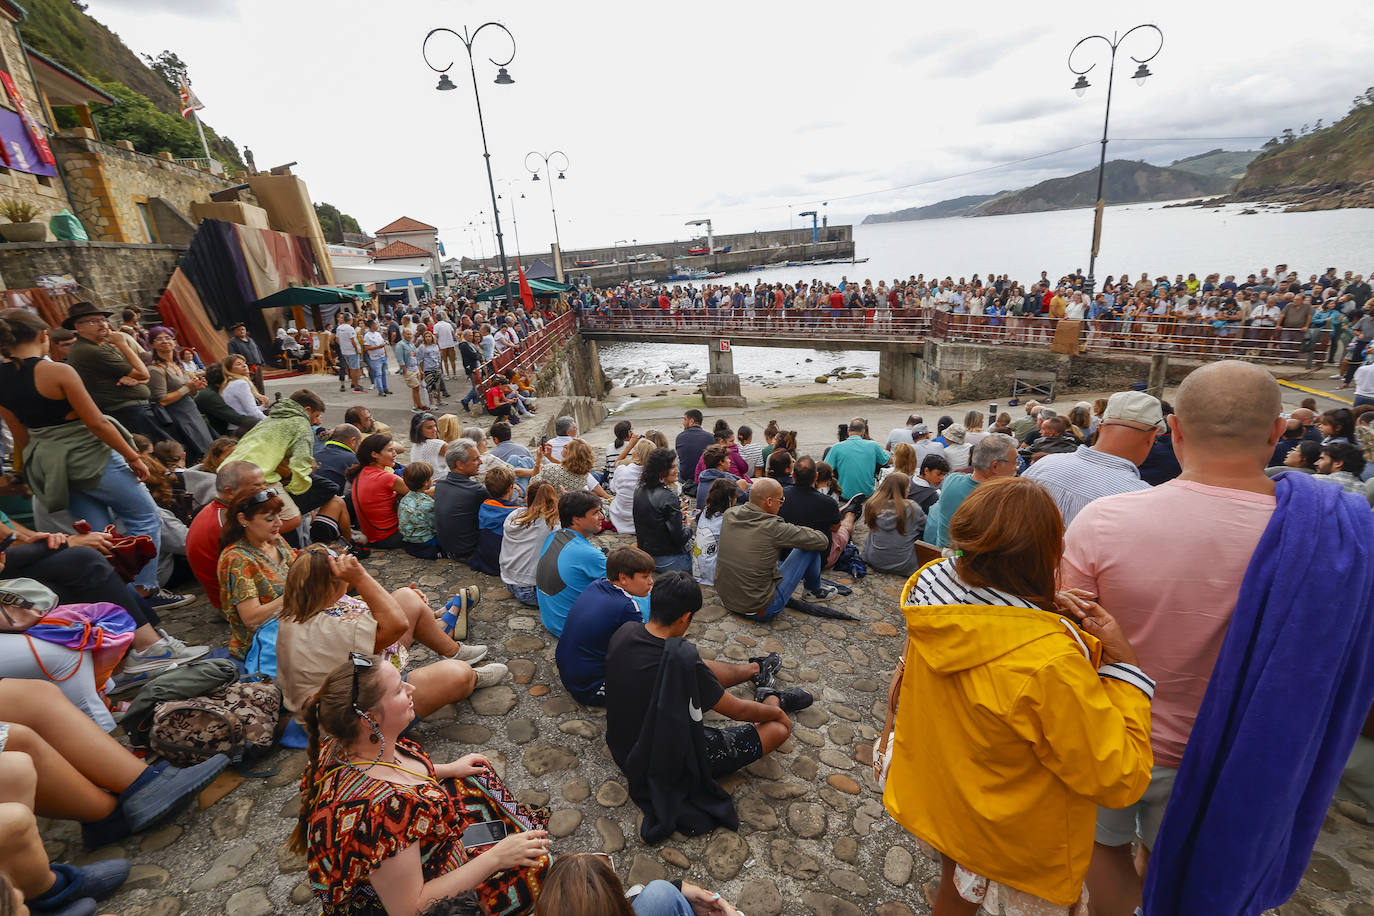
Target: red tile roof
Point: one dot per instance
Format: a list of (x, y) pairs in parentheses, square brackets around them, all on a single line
[(406, 224), (399, 249)]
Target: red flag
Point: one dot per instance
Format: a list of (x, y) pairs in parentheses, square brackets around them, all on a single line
[(526, 294)]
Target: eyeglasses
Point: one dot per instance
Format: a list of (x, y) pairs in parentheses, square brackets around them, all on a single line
[(360, 662), (261, 497)]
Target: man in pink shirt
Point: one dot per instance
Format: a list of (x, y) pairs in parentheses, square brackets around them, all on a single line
[(1168, 563)]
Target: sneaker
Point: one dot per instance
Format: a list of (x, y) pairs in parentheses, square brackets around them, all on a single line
[(95, 881), (824, 593), (470, 653), (791, 700), (855, 506), (180, 651), (768, 669), (160, 655), (343, 388), (124, 681), (163, 600), (162, 795), (491, 675)]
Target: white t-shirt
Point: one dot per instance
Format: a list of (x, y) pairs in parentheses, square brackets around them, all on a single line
[(1074, 310), (559, 443), (347, 338), (443, 334), (373, 340), (1364, 381)]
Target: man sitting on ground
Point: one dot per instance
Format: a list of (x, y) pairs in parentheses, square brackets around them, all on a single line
[(569, 562), (993, 456), (903, 433), (807, 507), (337, 453), (856, 461), (749, 579), (234, 480), (457, 498), (657, 686), (925, 486), (595, 616)]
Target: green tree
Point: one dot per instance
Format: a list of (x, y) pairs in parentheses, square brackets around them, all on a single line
[(333, 223), (170, 67), (151, 130)]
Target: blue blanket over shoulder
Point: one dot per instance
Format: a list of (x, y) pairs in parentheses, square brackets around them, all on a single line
[(1292, 686)]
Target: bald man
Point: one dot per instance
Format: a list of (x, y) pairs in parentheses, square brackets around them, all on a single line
[(1308, 419), (1175, 605), (749, 579)]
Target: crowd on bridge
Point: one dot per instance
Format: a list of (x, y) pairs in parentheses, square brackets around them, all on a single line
[(1097, 697)]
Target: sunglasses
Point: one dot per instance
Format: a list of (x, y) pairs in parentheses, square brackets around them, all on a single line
[(261, 497), (360, 662)]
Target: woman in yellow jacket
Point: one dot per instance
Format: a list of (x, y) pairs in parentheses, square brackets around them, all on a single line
[(1015, 720)]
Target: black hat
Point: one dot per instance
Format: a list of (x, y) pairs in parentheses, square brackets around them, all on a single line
[(82, 310), (236, 325)]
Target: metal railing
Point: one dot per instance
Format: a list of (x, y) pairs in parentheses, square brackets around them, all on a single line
[(1198, 340), (213, 166), (530, 354)]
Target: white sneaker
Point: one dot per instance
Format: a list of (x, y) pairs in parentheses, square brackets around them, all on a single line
[(180, 651), (471, 653), (491, 675)]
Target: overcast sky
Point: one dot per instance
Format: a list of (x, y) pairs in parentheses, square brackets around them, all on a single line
[(669, 112)]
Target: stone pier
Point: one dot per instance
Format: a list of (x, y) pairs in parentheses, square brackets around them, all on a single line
[(722, 384)]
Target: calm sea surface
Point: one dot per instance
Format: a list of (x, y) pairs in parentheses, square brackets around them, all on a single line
[(1135, 238)]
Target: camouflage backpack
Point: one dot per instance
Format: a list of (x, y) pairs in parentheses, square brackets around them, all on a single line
[(240, 720)]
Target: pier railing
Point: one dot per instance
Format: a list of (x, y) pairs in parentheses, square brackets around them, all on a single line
[(530, 354), (1185, 339)]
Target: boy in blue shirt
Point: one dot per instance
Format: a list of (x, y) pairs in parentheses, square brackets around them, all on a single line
[(569, 562), (621, 597)]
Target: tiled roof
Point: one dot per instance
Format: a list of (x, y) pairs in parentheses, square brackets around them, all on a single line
[(399, 249), (406, 224)]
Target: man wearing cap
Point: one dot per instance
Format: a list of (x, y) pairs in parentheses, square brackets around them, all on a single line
[(1124, 436), (113, 373), (247, 347)]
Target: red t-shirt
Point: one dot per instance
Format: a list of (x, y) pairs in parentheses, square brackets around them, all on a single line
[(374, 495), (202, 548), (837, 300), (494, 397)]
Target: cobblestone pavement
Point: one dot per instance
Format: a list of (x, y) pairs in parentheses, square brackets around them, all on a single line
[(813, 835)]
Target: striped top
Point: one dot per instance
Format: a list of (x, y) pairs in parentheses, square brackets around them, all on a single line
[(1077, 478)]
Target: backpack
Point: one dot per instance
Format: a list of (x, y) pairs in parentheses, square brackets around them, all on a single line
[(204, 675), (241, 721)]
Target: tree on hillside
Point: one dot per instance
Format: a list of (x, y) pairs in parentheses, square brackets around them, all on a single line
[(1361, 101), (1288, 135), (333, 223), (170, 67)]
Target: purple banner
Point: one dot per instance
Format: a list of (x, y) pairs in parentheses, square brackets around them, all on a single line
[(19, 153)]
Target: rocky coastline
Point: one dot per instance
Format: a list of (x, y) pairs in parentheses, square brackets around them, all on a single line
[(1296, 198)]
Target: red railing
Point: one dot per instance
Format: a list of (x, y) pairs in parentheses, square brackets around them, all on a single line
[(1185, 339), (530, 354)]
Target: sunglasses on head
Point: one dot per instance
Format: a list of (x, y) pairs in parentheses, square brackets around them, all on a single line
[(360, 662), (261, 497)]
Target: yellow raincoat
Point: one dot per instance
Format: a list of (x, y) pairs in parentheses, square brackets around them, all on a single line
[(1007, 740)]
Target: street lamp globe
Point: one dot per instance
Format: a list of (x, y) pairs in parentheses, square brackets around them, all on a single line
[(536, 177), (1141, 74), (561, 176), (1081, 86), (503, 77), (445, 83)]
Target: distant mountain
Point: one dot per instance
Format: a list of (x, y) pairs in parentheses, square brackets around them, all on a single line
[(958, 206), (1218, 163), (1342, 153), (1124, 182)]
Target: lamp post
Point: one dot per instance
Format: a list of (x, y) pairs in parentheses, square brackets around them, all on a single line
[(514, 221), (549, 170), (503, 78), (1080, 87)]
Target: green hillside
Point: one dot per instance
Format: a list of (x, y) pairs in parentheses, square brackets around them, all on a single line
[(1125, 182), (1341, 153), (1218, 163), (149, 114)]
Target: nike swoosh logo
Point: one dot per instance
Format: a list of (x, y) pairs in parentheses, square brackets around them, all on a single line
[(693, 711)]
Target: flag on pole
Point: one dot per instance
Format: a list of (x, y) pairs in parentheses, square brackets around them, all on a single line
[(526, 294), (189, 102)]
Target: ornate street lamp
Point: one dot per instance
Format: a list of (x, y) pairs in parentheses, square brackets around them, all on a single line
[(549, 170), (503, 78), (1080, 87)]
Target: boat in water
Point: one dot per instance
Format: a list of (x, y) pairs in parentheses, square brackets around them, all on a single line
[(694, 273), (586, 263)]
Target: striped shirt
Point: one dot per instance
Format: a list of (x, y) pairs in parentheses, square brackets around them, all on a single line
[(1077, 478)]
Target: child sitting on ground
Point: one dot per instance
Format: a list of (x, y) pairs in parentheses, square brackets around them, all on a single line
[(491, 519), (415, 510)]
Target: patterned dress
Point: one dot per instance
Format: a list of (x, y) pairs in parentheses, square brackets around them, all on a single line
[(360, 821), (246, 572)]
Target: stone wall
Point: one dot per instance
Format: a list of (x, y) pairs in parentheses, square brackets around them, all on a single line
[(572, 385), (111, 275), (108, 181), (44, 193)]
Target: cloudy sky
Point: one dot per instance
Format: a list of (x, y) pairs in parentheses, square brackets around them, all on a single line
[(744, 112)]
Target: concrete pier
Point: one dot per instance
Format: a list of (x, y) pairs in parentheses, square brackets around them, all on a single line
[(722, 384)]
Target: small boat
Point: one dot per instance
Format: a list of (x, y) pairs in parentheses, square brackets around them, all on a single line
[(587, 263), (756, 267), (697, 251), (694, 273)]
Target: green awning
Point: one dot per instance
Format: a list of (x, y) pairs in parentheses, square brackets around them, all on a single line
[(309, 295), (542, 289)]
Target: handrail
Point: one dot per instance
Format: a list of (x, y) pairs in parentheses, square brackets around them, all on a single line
[(530, 353)]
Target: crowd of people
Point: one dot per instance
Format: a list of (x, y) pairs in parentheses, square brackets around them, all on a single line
[(1054, 683)]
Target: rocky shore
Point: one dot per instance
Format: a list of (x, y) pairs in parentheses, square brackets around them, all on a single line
[(1296, 198)]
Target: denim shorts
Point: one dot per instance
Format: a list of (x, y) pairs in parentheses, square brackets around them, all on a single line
[(353, 360)]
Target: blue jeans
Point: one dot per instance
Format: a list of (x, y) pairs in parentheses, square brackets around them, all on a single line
[(376, 367), (525, 594), (682, 561), (120, 494), (659, 898), (800, 566)]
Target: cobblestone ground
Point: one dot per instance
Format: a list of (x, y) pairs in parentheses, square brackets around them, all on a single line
[(813, 835)]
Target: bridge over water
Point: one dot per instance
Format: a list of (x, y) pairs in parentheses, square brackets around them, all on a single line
[(935, 357)]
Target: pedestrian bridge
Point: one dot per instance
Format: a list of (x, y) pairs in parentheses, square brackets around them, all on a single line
[(932, 356)]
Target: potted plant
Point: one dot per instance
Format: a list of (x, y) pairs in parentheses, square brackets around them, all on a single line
[(21, 226)]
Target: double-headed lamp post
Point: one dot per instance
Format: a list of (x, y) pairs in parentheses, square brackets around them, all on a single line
[(503, 78), (1080, 87), (549, 170)]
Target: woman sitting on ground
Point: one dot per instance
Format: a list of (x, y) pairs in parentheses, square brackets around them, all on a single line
[(1337, 425), (252, 568), (425, 442), (1063, 712), (625, 481), (170, 386), (320, 624), (200, 480), (85, 775), (380, 823), (585, 884), (523, 537), (894, 523), (904, 462), (237, 389), (575, 471), (722, 495), (659, 524), (376, 487), (488, 460), (715, 464)]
